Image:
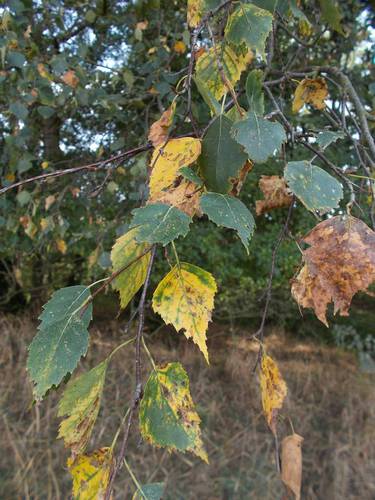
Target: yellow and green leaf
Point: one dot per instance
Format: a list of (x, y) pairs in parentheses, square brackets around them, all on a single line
[(126, 250), (185, 299), (80, 403), (167, 415), (91, 474)]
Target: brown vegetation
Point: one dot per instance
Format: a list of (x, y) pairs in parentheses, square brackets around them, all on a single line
[(330, 404)]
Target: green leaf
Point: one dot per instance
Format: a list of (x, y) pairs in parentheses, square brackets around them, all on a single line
[(327, 137), (221, 158), (159, 223), (46, 112), (23, 198), (331, 14), (19, 110), (16, 59), (189, 174), (80, 403), (254, 91), (260, 137), (152, 491), (227, 211), (61, 340), (251, 25), (313, 186), (167, 416), (124, 251), (208, 97)]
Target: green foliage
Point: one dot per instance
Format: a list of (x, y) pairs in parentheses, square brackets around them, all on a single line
[(260, 137), (227, 211), (254, 91), (171, 223), (61, 340), (167, 416), (152, 491), (317, 189), (221, 158)]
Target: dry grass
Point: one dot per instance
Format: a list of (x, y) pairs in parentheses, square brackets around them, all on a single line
[(330, 403)]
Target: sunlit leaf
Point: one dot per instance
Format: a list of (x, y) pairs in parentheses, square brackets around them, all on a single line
[(230, 212), (185, 299), (167, 416), (124, 251), (61, 340), (80, 404)]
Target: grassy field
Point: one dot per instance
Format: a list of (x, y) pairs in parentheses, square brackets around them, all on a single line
[(331, 404)]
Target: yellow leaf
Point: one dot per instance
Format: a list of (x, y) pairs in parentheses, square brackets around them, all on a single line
[(61, 246), (42, 70), (124, 251), (158, 133), (167, 160), (312, 91), (273, 389), (291, 463), (91, 474), (185, 299), (10, 177), (179, 47), (194, 12), (185, 196), (45, 165), (70, 78), (152, 50), (44, 223), (50, 200), (233, 64), (81, 402)]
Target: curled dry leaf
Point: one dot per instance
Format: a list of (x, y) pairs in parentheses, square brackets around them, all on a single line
[(158, 133), (273, 389), (276, 194), (339, 263), (291, 463), (238, 182), (70, 78), (312, 91)]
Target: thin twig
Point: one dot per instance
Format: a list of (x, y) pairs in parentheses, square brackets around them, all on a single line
[(137, 395)]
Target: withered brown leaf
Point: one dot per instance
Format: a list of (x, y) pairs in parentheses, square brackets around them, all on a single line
[(158, 132), (276, 194), (291, 463), (312, 91), (339, 263)]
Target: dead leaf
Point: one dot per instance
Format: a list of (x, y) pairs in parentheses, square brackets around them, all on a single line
[(142, 25), (70, 78), (273, 389), (238, 182), (339, 263), (312, 91), (158, 133), (276, 194), (185, 196), (291, 463), (50, 200)]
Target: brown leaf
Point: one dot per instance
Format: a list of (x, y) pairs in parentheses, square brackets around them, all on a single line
[(310, 91), (339, 263), (238, 181), (276, 194), (273, 389), (291, 463), (185, 196), (158, 133), (70, 78)]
